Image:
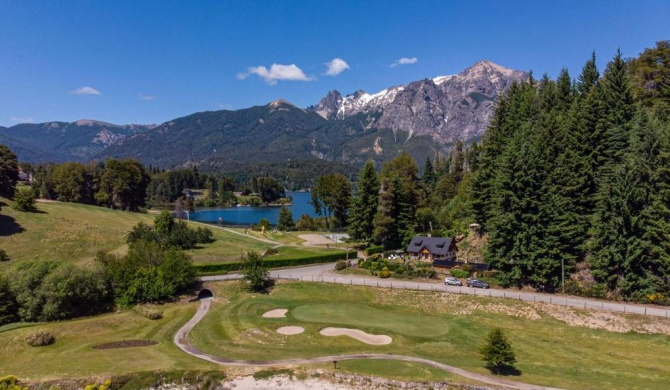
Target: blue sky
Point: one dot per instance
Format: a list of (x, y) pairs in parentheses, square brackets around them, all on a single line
[(151, 61)]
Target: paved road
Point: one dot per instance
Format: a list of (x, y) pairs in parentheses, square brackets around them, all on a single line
[(325, 273), (181, 340)]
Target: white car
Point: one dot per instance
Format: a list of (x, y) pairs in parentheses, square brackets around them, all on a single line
[(452, 281)]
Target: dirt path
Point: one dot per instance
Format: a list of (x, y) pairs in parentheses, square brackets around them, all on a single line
[(181, 340), (266, 240)]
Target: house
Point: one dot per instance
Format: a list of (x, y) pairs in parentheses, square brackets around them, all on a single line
[(432, 248)]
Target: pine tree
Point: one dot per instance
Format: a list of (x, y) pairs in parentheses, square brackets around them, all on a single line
[(497, 352), (618, 113), (564, 90), (285, 221), (617, 251), (364, 205), (429, 178), (385, 226), (589, 77)]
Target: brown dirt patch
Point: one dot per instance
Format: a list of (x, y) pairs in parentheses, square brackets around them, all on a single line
[(126, 344), (607, 320)]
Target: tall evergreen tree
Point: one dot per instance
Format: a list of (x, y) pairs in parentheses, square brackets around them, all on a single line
[(364, 205), (589, 77), (618, 250), (618, 113), (429, 177)]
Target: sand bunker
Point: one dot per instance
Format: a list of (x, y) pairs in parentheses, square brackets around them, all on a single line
[(315, 239), (359, 335), (276, 313), (290, 330)]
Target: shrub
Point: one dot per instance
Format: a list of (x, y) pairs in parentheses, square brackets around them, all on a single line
[(340, 265), (385, 273), (374, 249), (10, 382), (24, 200), (148, 312), (3, 255), (256, 273), (572, 287), (40, 339), (211, 269), (459, 273)]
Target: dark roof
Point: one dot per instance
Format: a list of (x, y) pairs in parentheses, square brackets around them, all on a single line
[(436, 245)]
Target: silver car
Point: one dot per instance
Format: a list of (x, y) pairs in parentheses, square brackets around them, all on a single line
[(452, 281)]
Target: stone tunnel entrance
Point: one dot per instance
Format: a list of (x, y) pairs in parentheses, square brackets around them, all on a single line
[(205, 294)]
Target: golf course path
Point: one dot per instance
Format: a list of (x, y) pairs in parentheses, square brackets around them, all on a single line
[(181, 340)]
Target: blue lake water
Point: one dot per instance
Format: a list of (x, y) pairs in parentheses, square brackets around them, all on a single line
[(248, 215)]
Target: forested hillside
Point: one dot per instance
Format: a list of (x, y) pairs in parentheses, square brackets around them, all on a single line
[(578, 174)]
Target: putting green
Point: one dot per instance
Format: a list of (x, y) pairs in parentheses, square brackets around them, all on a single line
[(366, 317)]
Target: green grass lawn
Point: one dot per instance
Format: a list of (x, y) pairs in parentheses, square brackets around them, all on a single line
[(73, 355), (423, 324), (76, 232)]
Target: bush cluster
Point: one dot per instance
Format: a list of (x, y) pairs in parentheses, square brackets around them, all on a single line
[(209, 269), (374, 249), (40, 339), (170, 233), (341, 265), (459, 273), (398, 269), (51, 291), (10, 382)]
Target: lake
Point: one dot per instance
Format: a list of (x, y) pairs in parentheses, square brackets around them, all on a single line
[(245, 215)]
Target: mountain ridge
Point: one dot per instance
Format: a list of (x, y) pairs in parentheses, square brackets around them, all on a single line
[(422, 117)]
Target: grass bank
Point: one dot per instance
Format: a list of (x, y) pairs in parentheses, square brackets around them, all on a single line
[(75, 233)]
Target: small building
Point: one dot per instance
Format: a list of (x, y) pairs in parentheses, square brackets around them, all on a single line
[(426, 248)]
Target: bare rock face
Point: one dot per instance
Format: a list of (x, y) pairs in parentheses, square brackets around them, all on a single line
[(446, 108)]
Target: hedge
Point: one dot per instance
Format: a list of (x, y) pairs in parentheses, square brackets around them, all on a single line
[(214, 269), (374, 249)]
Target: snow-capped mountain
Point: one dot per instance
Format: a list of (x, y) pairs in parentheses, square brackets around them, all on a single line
[(447, 108)]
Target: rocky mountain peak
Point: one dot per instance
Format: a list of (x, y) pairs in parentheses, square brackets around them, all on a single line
[(328, 106), (446, 108)]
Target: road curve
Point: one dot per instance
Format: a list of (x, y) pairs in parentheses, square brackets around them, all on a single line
[(181, 340)]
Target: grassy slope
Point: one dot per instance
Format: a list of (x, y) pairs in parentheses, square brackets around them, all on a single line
[(549, 352), (73, 355), (76, 232)]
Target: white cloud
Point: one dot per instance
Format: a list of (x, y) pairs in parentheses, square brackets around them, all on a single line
[(224, 106), (276, 72), (86, 91), (22, 119), (146, 97), (336, 66), (404, 61)]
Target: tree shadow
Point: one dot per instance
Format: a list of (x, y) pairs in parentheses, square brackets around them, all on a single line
[(9, 226), (505, 370)]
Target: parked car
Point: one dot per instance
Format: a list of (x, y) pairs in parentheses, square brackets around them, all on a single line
[(452, 281), (477, 283)]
